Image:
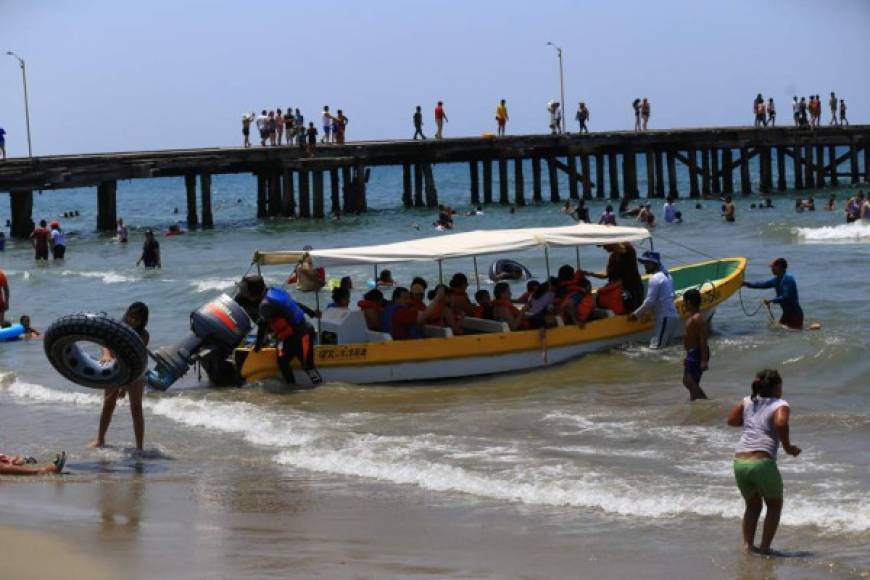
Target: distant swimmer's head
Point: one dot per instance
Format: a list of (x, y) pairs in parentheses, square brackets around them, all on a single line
[(767, 383)]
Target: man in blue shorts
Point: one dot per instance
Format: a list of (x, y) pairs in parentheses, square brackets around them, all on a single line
[(695, 342)]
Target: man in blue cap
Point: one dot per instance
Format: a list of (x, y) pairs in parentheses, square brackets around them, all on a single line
[(659, 298)]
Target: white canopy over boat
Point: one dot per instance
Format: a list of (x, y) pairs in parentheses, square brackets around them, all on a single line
[(465, 244)]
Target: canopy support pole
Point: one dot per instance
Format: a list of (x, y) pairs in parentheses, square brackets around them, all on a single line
[(577, 252), (476, 275), (440, 273), (376, 276), (547, 260), (317, 308)]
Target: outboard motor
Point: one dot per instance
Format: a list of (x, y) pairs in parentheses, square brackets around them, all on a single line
[(220, 324)]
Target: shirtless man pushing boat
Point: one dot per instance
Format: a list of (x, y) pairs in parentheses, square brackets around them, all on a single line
[(695, 342)]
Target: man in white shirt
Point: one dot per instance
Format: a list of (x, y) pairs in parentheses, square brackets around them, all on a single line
[(263, 127), (660, 299)]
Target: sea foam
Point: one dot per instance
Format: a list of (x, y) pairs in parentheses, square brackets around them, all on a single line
[(843, 233)]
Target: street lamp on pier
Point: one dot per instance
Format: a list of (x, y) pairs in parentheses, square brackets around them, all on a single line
[(26, 103), (561, 82)]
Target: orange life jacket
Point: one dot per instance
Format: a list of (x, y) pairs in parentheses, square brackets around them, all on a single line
[(610, 297), (585, 307), (281, 328)]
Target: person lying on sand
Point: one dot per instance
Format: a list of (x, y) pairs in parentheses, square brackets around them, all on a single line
[(19, 465)]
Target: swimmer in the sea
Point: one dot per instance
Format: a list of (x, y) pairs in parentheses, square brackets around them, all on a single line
[(695, 342)]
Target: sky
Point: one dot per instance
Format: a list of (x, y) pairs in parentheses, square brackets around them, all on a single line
[(117, 76)]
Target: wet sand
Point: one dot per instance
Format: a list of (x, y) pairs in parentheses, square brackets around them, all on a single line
[(34, 555), (271, 523)]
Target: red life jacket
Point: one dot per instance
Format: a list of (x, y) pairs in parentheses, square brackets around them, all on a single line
[(281, 328), (585, 307)]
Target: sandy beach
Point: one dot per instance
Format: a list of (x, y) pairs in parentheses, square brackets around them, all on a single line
[(35, 555)]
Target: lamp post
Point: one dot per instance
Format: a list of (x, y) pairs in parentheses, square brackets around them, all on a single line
[(561, 82), (26, 103)]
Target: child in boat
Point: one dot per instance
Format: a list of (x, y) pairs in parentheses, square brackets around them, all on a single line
[(385, 278), (340, 298), (372, 306), (484, 308), (531, 287), (505, 311), (29, 331)]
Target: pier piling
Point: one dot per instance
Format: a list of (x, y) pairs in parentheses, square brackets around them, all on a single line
[(431, 189), (21, 212), (205, 198), (475, 182), (418, 185), (727, 170), (334, 195), (809, 180), (764, 159), (537, 193), (288, 201), (832, 164), (780, 169), (304, 195), (715, 177), (261, 195), (190, 187), (407, 200), (587, 180), (692, 156), (613, 174), (573, 190), (318, 193), (629, 175), (503, 198), (745, 182), (599, 176), (660, 174), (672, 173), (553, 176), (650, 175), (107, 206), (519, 183), (853, 164), (487, 181)]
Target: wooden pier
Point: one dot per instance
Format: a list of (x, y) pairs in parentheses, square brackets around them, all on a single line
[(291, 183)]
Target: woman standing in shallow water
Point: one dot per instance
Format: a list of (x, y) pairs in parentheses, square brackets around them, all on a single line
[(137, 318), (764, 417)]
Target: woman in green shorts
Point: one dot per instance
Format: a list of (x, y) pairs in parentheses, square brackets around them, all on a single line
[(764, 418)]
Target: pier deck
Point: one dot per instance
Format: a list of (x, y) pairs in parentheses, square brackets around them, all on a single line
[(292, 183)]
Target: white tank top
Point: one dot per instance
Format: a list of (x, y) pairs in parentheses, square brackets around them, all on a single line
[(759, 433)]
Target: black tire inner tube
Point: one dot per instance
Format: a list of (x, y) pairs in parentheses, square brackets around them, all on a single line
[(71, 341)]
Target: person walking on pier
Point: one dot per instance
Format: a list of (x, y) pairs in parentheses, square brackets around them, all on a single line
[(312, 138), (644, 113), (501, 117), (771, 113), (582, 117), (263, 127), (339, 125), (440, 119), (246, 129), (3, 143), (554, 108), (418, 123), (326, 123), (832, 103), (802, 112), (844, 122), (279, 126), (271, 124), (796, 112), (758, 104), (636, 106)]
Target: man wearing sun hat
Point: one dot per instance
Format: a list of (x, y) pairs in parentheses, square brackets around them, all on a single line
[(659, 298)]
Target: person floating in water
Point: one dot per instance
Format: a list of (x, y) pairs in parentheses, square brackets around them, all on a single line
[(786, 294), (764, 418), (285, 319), (695, 342)]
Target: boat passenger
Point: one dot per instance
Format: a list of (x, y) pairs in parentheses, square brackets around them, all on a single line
[(285, 319), (340, 299), (576, 302), (402, 320), (786, 294), (484, 308), (504, 310), (372, 306), (346, 283), (459, 301), (660, 299), (418, 293), (385, 278), (622, 268), (531, 287), (539, 311)]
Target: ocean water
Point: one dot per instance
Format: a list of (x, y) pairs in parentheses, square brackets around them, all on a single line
[(602, 459)]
